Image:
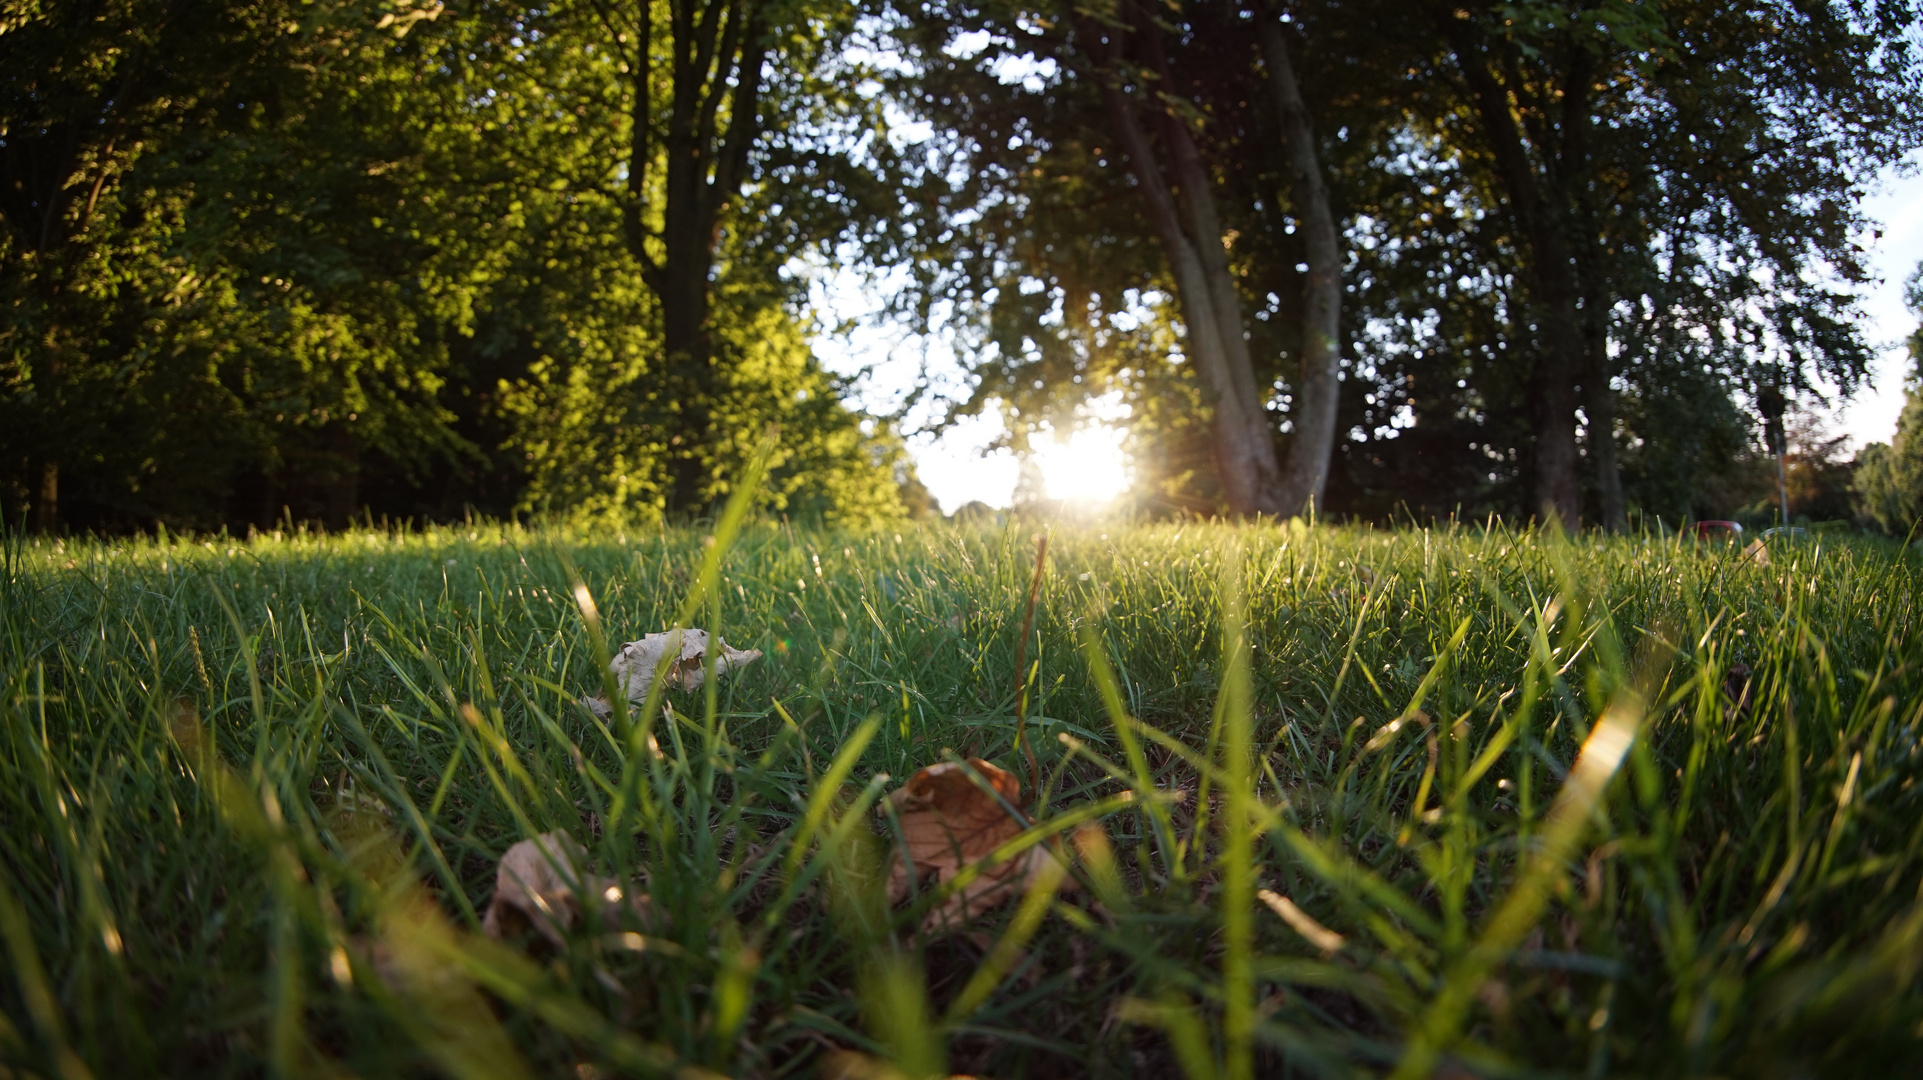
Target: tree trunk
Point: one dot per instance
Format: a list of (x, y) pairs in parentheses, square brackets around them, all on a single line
[(690, 381), (1599, 397), (46, 503), (1314, 408), (1599, 401), (717, 55), (1190, 232), (341, 492), (1559, 346)]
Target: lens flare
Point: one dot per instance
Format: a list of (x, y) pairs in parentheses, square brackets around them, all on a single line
[(1089, 466)]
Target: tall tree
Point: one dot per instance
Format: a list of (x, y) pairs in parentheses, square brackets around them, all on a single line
[(1127, 56), (716, 51), (712, 97), (1540, 178), (1164, 136), (1651, 201), (669, 170), (1314, 411)]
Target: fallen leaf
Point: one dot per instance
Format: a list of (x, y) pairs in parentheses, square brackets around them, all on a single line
[(1756, 553), (948, 823), (541, 882), (634, 666), (1736, 687)]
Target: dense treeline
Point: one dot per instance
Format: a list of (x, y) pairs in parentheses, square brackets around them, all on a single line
[(345, 257), (1579, 243), (403, 258)]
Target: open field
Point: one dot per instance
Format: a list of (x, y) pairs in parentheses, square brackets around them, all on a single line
[(1664, 821)]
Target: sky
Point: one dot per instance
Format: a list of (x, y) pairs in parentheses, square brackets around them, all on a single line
[(886, 362), (1899, 211)]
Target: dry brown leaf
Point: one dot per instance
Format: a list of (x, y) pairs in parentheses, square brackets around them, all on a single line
[(541, 882), (634, 666), (1756, 553), (948, 823)]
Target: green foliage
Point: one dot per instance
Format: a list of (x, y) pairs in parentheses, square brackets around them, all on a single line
[(324, 255), (1705, 168), (201, 266), (584, 461), (1656, 814), (1887, 484)]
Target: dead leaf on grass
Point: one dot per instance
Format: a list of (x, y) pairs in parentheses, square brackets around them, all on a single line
[(634, 666), (1756, 553), (1736, 686), (948, 823), (545, 882)]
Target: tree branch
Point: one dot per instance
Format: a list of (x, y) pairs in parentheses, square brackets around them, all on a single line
[(744, 120)]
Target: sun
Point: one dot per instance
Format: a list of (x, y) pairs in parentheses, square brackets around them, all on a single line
[(1088, 467)]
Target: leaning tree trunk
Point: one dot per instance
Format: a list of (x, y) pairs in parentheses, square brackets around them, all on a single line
[(1190, 232), (1314, 411)]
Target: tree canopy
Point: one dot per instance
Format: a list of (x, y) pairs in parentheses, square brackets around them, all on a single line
[(401, 257), (317, 258), (1578, 240)]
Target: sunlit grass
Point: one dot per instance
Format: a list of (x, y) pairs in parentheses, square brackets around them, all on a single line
[(1527, 814)]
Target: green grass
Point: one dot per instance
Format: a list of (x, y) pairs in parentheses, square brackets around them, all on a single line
[(253, 794)]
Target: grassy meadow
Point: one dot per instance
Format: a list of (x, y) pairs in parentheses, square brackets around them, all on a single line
[(1451, 802)]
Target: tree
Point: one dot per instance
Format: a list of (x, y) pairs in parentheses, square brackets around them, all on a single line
[(1134, 145), (203, 273), (731, 138), (282, 258), (1315, 401), (1616, 209), (1127, 57), (1887, 481), (670, 169), (716, 53)]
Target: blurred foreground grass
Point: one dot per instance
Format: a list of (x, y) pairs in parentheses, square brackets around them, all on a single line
[(1657, 813)]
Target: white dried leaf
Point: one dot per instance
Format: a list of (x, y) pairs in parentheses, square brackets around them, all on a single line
[(686, 652), (546, 882), (539, 879)]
